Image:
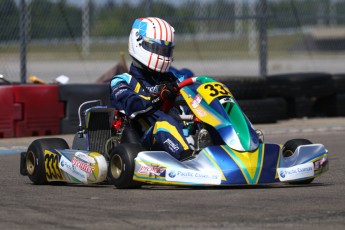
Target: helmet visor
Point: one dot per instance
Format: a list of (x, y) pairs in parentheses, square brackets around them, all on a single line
[(160, 47)]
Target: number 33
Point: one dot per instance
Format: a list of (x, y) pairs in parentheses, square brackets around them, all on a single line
[(216, 89)]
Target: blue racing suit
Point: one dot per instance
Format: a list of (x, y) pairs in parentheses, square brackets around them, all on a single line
[(132, 93)]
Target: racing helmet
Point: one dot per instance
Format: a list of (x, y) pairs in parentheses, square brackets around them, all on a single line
[(151, 42)]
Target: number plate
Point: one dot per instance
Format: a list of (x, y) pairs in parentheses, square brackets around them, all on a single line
[(212, 90)]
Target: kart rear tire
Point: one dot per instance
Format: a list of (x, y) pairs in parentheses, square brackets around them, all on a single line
[(35, 161), (288, 150), (121, 165)]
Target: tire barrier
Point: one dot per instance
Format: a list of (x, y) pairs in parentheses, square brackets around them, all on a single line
[(10, 112), (245, 87), (300, 84), (72, 95), (339, 83), (340, 105), (41, 110), (332, 105), (299, 107), (301, 91), (267, 110)]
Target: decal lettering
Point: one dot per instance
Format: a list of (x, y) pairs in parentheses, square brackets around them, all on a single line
[(172, 146), (196, 101), (318, 165), (85, 158), (52, 167), (119, 92), (296, 172), (147, 169), (67, 166), (193, 176), (83, 166), (200, 112)]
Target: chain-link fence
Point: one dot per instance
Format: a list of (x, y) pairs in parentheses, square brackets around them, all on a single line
[(83, 39)]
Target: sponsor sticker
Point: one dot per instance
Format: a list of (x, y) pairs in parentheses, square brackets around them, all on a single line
[(200, 112), (67, 166), (196, 101), (84, 157), (192, 176), (83, 166), (172, 146), (296, 172), (120, 92), (149, 169), (320, 164)]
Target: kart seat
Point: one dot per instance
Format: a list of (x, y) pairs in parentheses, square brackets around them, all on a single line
[(98, 124)]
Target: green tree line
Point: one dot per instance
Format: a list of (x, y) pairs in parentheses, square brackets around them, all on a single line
[(57, 19)]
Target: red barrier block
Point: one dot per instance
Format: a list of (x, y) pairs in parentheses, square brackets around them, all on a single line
[(9, 112), (41, 110)]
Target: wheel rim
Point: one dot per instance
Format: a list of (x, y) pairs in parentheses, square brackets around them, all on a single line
[(287, 153), (116, 166), (30, 163)]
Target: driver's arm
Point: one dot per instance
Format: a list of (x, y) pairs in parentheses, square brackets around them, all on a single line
[(124, 96)]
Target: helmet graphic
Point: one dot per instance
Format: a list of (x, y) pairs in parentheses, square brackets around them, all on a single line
[(151, 42)]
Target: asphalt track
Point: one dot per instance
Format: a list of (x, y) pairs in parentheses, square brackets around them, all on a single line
[(320, 205)]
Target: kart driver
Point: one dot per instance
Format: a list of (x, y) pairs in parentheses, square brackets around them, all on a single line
[(148, 86)]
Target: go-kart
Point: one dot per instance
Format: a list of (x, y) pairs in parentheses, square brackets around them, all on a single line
[(227, 149)]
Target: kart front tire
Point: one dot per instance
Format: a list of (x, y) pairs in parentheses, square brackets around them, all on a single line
[(288, 150), (121, 166), (34, 160)]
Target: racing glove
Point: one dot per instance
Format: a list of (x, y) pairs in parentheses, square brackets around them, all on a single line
[(168, 91)]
